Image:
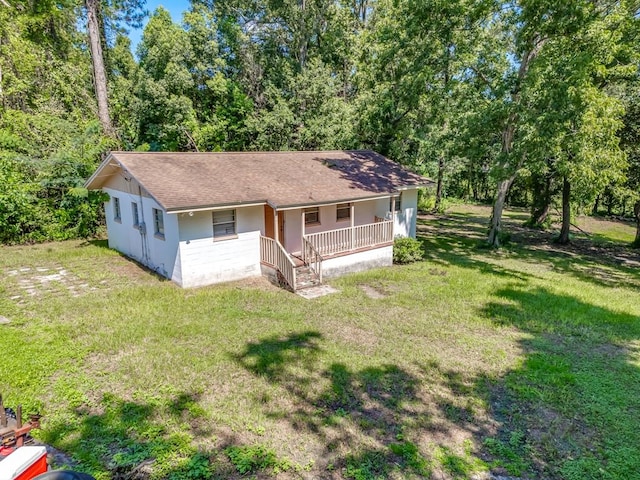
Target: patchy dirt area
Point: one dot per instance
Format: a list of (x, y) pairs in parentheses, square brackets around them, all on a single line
[(34, 282), (372, 292)]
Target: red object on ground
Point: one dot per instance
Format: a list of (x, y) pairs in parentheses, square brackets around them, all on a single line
[(24, 464)]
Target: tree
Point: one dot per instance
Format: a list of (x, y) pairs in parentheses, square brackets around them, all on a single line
[(630, 140), (414, 59), (569, 51), (97, 58), (102, 14)]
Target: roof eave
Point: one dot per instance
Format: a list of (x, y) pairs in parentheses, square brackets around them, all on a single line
[(215, 206), (99, 170), (339, 200)]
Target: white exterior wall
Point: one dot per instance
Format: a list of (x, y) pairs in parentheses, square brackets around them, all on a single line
[(204, 261), (358, 262), (158, 254), (364, 214), (405, 220), (404, 224)]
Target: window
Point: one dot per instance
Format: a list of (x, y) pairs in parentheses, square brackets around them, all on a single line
[(311, 215), (224, 223), (343, 211), (158, 223), (116, 209), (398, 203), (134, 214)]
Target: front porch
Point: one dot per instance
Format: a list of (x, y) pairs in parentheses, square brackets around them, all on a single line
[(304, 268)]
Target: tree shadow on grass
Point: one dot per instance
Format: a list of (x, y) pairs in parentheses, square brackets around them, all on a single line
[(127, 440), (371, 423), (458, 239), (455, 250), (570, 410)]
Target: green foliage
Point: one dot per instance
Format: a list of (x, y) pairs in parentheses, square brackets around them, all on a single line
[(254, 458), (412, 457), (510, 455), (407, 250), (18, 209), (197, 468), (436, 86), (371, 465), (459, 466)]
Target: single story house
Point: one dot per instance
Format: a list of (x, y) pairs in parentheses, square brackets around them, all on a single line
[(203, 218)]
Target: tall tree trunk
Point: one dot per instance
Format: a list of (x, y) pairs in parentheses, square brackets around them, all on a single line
[(496, 214), (566, 212), (636, 213), (97, 59), (445, 128), (436, 207), (596, 206), (303, 34), (508, 135), (541, 203)]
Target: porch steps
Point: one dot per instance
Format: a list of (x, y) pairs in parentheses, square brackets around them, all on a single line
[(306, 277)]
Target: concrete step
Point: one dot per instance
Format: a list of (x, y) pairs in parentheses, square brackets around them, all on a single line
[(306, 278)]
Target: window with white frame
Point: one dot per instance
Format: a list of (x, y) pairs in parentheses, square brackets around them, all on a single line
[(134, 214), (224, 224), (398, 203), (117, 215), (158, 223), (343, 211), (311, 215)]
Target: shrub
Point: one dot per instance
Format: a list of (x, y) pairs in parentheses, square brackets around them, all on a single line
[(406, 250)]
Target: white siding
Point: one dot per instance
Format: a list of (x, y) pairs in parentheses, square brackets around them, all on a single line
[(405, 220), (204, 261), (140, 243)]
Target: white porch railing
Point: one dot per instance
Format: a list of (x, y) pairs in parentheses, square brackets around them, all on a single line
[(352, 238), (274, 254), (311, 257)]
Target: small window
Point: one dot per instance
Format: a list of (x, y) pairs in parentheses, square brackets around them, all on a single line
[(224, 223), (117, 216), (311, 215), (134, 214), (398, 203), (343, 211), (158, 223)]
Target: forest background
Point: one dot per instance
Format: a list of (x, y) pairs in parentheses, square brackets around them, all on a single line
[(532, 103)]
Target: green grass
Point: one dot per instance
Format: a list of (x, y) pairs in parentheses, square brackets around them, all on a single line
[(607, 231), (524, 361)]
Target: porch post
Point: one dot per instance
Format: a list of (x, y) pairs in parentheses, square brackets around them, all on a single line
[(275, 225), (303, 229), (353, 231)]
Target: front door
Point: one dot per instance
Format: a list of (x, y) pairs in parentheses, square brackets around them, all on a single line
[(269, 226), (281, 228)]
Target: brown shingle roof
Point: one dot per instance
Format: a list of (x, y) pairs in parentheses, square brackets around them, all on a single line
[(180, 181)]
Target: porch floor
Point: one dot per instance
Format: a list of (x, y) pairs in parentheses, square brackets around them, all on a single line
[(296, 259)]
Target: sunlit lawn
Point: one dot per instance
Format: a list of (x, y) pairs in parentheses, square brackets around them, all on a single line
[(524, 362)]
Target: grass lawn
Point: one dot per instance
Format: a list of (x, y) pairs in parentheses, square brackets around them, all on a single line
[(522, 362)]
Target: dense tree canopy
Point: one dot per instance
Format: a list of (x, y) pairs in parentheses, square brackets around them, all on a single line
[(532, 102)]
